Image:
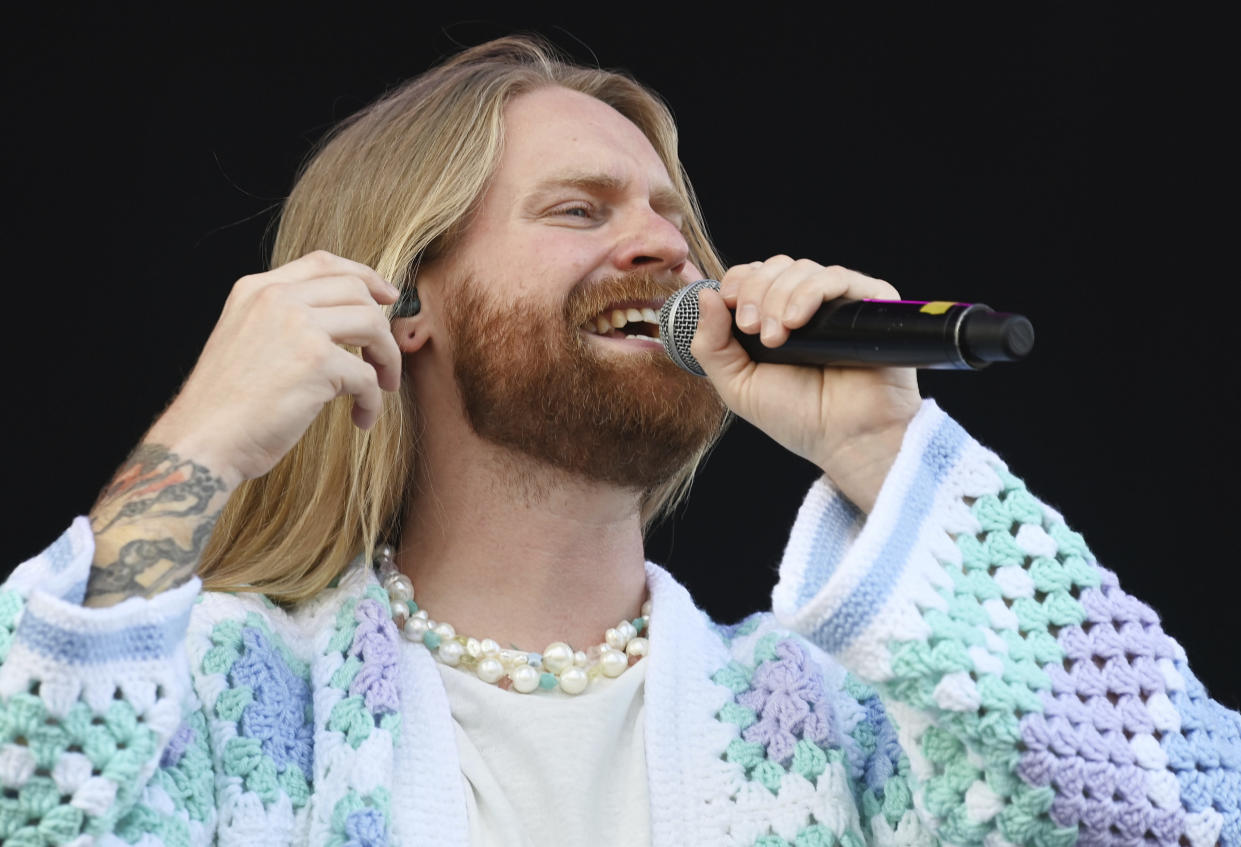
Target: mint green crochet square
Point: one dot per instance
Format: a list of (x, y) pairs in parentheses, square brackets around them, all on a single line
[(1002, 550), (20, 716), (27, 836), (992, 514), (1068, 542), (377, 593), (897, 799), (124, 767), (765, 649), (342, 636), (857, 689), (973, 553), (241, 755), (1024, 506), (734, 676), (220, 659), (227, 633), (1081, 572), (10, 607), (294, 784), (350, 717), (62, 824), (343, 677), (768, 774), (232, 702), (745, 753), (38, 797), (48, 743), (263, 781), (809, 760), (734, 713)]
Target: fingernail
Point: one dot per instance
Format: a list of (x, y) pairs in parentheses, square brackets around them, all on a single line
[(791, 310), (747, 315), (392, 289), (770, 327)]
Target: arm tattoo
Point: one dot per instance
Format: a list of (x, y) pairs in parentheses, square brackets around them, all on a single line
[(151, 525)]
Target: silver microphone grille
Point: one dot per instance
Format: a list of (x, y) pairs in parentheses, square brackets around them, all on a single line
[(678, 321)]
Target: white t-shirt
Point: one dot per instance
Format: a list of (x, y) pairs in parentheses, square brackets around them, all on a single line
[(553, 768)]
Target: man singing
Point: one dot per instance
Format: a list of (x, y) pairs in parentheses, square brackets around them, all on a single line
[(376, 576)]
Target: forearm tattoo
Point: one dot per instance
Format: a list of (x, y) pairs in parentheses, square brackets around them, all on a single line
[(151, 525)]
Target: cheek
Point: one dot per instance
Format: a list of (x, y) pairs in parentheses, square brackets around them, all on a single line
[(565, 253)]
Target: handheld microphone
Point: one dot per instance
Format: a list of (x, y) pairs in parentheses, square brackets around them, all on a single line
[(938, 334)]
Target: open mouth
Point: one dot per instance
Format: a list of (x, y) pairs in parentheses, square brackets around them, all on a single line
[(638, 320)]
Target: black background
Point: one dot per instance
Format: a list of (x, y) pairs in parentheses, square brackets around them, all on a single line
[(1070, 162)]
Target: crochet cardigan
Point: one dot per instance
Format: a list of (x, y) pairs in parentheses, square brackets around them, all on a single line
[(954, 668)]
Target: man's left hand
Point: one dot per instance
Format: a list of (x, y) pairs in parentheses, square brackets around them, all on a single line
[(847, 420)]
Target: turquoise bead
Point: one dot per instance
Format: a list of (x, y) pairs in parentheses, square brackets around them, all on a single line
[(431, 639), (547, 681), (413, 607), (639, 624)]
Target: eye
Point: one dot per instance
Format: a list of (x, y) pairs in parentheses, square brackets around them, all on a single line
[(574, 210)]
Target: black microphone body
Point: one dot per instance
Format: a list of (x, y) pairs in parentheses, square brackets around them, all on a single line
[(868, 333)]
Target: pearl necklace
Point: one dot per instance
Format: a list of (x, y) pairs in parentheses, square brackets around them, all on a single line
[(557, 666)]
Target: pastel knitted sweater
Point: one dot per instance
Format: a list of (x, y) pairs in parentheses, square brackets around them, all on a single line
[(954, 668)]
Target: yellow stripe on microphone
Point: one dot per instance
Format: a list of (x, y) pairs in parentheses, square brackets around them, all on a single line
[(937, 307)]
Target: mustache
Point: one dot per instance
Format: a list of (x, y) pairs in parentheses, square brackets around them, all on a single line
[(587, 300)]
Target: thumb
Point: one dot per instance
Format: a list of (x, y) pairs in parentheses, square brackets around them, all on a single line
[(720, 355)]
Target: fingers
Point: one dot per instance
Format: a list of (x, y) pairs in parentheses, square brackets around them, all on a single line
[(772, 297), (321, 264), (366, 327), (344, 298), (358, 378), (337, 300)]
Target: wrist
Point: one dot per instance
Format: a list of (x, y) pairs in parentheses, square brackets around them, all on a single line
[(152, 523), (858, 466), (196, 448)]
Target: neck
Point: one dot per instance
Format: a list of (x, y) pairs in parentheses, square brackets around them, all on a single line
[(503, 547)]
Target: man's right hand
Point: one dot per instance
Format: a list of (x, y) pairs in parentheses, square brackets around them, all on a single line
[(271, 363)]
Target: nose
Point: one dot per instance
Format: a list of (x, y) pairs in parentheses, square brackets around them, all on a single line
[(651, 242)]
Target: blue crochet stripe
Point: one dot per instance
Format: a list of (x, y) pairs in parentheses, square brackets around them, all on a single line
[(60, 553), (831, 537), (76, 593), (856, 612), (135, 643), (1205, 755)]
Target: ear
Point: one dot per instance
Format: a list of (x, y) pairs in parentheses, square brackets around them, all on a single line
[(411, 333)]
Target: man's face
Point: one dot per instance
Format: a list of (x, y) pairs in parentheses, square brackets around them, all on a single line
[(580, 222)]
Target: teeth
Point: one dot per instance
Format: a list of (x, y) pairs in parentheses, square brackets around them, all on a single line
[(618, 318)]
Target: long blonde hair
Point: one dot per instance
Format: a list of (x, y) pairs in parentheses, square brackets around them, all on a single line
[(390, 187)]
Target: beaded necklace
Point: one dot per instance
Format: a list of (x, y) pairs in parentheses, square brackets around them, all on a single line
[(559, 665)]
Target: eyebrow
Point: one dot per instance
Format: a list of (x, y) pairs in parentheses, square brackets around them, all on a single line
[(664, 199)]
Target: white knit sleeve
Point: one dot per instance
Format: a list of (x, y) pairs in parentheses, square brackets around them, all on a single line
[(89, 698)]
